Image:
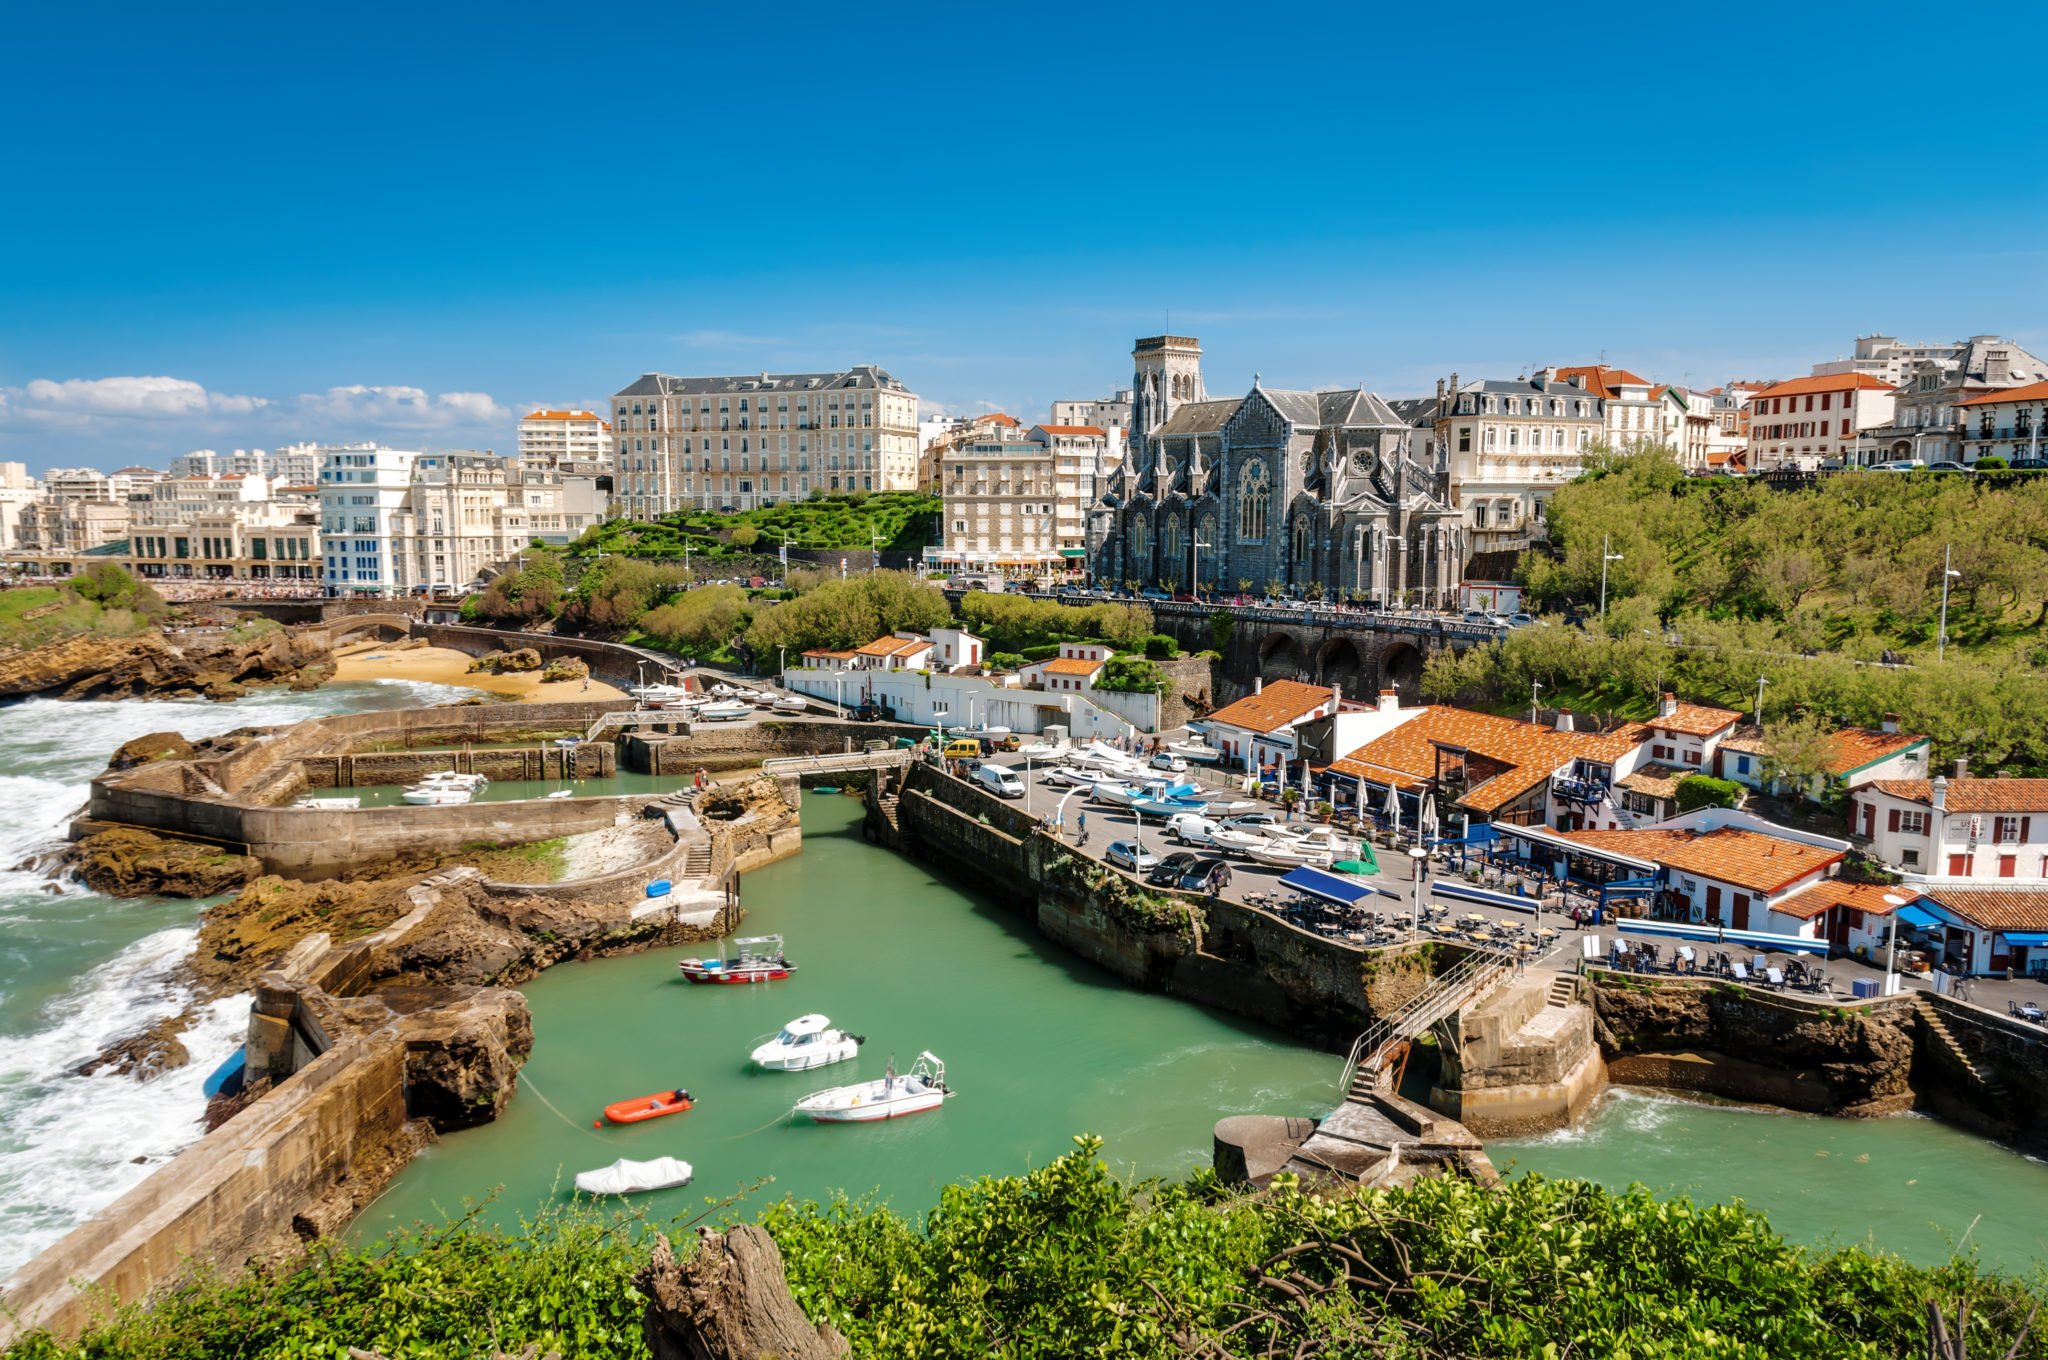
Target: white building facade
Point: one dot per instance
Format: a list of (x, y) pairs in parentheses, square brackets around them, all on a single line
[(550, 438), (1801, 423), (363, 490)]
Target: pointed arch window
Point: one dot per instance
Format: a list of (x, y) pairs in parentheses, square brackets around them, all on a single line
[(1299, 547), (1170, 542), (1254, 501), (1141, 538), (1205, 539)]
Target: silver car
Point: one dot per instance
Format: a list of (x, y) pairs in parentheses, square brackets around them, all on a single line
[(1130, 855)]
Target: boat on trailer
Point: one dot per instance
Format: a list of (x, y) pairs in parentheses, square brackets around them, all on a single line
[(1194, 750), (760, 959), (891, 1097)]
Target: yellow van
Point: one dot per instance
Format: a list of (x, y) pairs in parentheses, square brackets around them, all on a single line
[(965, 748)]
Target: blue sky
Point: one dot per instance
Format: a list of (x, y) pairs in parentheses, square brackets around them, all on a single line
[(408, 223)]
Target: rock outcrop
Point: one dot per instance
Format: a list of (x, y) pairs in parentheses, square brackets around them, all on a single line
[(566, 668), (150, 664), (524, 659), (130, 862), (240, 938)]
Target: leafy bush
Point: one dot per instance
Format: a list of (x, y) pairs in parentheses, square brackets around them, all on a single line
[(848, 613), (614, 592), (1699, 790), (521, 596), (111, 586), (1132, 675), (1220, 625), (1160, 647), (1006, 661), (1993, 463), (1014, 623), (698, 623)]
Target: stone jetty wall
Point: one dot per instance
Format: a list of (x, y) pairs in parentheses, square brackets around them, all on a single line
[(1211, 952)]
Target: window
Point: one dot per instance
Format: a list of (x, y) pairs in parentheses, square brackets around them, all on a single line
[(1959, 866), (1254, 501), (2012, 830), (1301, 545), (1464, 439), (2008, 865)]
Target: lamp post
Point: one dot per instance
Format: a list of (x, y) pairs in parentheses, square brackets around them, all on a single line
[(1417, 857), (1947, 575), (1891, 947), (1760, 683), (1534, 685), (1605, 558)]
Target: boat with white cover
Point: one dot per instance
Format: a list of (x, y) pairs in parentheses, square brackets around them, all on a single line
[(790, 703), (632, 1178), (1288, 854), (922, 1088), (726, 709), (329, 804), (1236, 839), (806, 1042), (1194, 750), (1115, 794), (445, 788)]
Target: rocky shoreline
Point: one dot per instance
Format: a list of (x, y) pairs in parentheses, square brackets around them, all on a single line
[(218, 664)]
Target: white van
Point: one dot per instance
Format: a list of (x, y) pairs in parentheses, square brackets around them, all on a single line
[(999, 781)]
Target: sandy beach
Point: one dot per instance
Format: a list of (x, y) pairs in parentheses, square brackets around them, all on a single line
[(446, 666)]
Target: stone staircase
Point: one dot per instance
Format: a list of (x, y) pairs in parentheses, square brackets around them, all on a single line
[(697, 862), (1986, 1081), (1564, 990)]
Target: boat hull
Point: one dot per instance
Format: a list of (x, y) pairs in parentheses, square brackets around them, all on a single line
[(697, 971), (879, 1110), (643, 1108), (777, 1058)]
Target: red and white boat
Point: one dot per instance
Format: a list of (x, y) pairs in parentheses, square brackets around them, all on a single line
[(922, 1088), (760, 960)]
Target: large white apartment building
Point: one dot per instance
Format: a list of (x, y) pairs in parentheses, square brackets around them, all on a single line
[(363, 488), (294, 464), (1930, 422), (1796, 424), (1112, 413), (1511, 444), (550, 438), (1884, 357), (1084, 457), (255, 540), (179, 500), (742, 442)]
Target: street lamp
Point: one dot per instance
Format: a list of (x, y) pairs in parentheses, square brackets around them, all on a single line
[(1534, 685), (1947, 575), (1891, 948), (1605, 558), (1760, 683), (1417, 857)]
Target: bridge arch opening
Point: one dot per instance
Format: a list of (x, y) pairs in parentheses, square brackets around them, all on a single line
[(1401, 671), (1341, 663), (1281, 659)]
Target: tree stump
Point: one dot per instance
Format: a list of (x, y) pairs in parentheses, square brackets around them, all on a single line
[(729, 1302)]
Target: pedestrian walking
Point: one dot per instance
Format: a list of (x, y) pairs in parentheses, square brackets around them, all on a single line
[(1083, 824)]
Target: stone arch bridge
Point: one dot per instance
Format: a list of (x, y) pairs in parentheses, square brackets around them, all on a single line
[(1360, 653)]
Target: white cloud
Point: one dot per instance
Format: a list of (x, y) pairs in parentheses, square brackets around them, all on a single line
[(402, 407), (82, 399)]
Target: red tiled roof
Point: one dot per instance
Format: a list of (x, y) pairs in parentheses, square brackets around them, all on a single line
[(893, 646), (1808, 903), (1280, 703), (1695, 719), (1854, 747), (2025, 910), (590, 416), (1747, 859), (1599, 376), (1407, 755), (2031, 392), (1972, 795), (995, 418), (1826, 382), (1074, 429), (1072, 665), (827, 651)]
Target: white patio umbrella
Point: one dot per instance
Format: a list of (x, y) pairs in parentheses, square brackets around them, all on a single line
[(1426, 827), (1393, 808)]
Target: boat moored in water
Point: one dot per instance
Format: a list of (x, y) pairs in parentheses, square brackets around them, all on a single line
[(760, 960), (806, 1042), (329, 804), (642, 1108), (892, 1096), (632, 1178)]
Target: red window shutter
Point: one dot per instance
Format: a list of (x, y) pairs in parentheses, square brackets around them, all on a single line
[(2007, 865), (1958, 866), (2025, 823), (1892, 820)]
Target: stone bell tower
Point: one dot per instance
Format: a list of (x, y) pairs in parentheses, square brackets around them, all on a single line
[(1169, 373)]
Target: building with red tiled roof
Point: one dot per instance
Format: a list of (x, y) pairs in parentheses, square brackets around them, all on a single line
[(1799, 423), (1257, 732), (1729, 873), (1073, 671), (1850, 916), (1956, 831), (1984, 928), (1855, 756)]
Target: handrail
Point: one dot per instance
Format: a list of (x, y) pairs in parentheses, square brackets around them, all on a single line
[(1426, 1007), (843, 760)]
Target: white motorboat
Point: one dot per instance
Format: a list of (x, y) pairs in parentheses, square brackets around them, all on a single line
[(560, 794), (1236, 839), (1042, 750), (660, 696), (1194, 750), (806, 1042), (922, 1088), (1288, 855), (449, 779), (329, 804), (725, 710), (435, 795), (1111, 792), (631, 1178), (790, 703), (1069, 777)]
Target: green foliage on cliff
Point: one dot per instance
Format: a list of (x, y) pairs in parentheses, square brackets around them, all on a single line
[(534, 591), (1012, 623), (1132, 675), (888, 519), (849, 613), (1070, 1260), (103, 599)]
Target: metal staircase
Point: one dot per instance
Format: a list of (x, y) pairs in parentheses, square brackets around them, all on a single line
[(1379, 1055)]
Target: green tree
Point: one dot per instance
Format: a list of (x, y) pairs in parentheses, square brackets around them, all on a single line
[(1220, 625), (698, 623), (849, 613), (745, 536)]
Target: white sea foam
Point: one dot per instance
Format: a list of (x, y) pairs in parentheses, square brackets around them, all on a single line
[(69, 1144)]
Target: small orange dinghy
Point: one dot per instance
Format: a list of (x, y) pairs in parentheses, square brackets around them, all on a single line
[(647, 1107)]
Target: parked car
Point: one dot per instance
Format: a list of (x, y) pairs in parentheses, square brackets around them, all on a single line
[(873, 712), (1950, 466), (2028, 464), (999, 781), (1130, 855), (1190, 828), (1477, 616), (1168, 761), (1190, 877), (1521, 620), (1167, 873), (1899, 465), (1252, 821)]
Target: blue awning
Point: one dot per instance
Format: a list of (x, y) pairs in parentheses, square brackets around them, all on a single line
[(1768, 941), (1485, 897), (2029, 938), (1913, 914), (1345, 892)]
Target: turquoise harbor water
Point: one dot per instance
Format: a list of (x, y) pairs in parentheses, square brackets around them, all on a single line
[(1040, 1045)]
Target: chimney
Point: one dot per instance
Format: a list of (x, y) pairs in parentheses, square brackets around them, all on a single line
[(1336, 698), (1962, 767), (1667, 704), (1390, 701), (1940, 795), (1890, 723), (1564, 720), (1258, 684)]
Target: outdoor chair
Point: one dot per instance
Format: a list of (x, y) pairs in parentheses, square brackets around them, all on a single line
[(1739, 972), (1758, 964), (1777, 978)]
